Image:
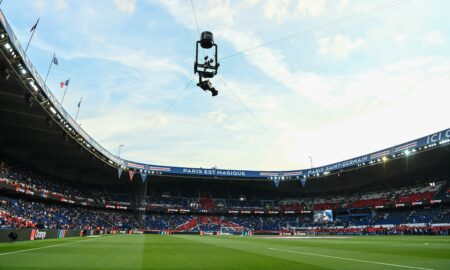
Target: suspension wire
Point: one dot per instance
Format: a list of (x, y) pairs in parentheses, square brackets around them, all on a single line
[(196, 23), (162, 115), (195, 16), (246, 107), (333, 23)]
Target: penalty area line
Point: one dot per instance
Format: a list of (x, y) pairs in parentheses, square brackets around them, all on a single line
[(49, 246), (350, 259)]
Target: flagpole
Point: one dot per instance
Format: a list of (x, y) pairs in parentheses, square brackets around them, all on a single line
[(78, 110), (65, 90), (29, 41), (32, 34), (49, 68)]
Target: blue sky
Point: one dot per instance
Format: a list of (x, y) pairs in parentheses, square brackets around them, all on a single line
[(335, 92)]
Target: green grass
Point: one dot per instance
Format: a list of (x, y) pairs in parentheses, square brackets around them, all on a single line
[(228, 252)]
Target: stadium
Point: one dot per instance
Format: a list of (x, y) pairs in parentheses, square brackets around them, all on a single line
[(67, 202)]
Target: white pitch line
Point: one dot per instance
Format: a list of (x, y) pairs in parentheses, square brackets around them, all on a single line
[(30, 249), (349, 259)]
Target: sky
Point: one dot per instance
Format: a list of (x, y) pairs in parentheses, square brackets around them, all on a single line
[(299, 80)]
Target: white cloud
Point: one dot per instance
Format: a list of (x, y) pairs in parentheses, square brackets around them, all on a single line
[(281, 10), (40, 5), (409, 64), (217, 116), (342, 6), (116, 122), (61, 5), (127, 6), (339, 46), (400, 39), (250, 3), (434, 38), (277, 10), (314, 8)]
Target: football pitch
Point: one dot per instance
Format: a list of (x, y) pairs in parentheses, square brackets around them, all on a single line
[(229, 252)]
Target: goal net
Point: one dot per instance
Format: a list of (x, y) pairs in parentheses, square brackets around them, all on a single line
[(225, 230)]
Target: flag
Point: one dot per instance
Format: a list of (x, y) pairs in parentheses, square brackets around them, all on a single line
[(119, 172), (66, 83), (131, 173), (79, 103), (277, 182), (55, 60), (303, 181), (35, 25), (143, 176)]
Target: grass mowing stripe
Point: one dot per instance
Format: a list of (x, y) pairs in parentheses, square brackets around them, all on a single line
[(350, 259), (49, 246)]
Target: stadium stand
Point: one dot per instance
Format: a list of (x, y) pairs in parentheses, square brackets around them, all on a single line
[(22, 213), (31, 199)]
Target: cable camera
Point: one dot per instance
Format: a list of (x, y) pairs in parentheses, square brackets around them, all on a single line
[(206, 67)]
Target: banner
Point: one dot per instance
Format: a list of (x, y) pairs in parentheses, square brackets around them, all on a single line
[(35, 234)]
